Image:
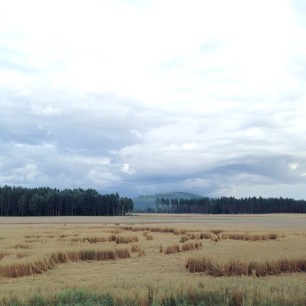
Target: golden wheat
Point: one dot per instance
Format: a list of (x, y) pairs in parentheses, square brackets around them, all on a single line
[(79, 260), (49, 262), (172, 249), (149, 237), (248, 237), (24, 269), (138, 249), (125, 239), (188, 246), (239, 268)]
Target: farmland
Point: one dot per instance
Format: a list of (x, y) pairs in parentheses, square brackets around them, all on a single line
[(154, 260)]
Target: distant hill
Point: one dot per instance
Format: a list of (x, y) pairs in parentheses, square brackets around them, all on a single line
[(148, 201)]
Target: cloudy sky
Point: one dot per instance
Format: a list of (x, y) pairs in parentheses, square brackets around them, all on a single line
[(145, 96)]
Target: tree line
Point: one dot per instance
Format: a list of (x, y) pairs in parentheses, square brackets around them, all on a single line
[(229, 205), (44, 201)]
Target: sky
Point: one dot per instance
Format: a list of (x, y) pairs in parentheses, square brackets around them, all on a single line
[(150, 96)]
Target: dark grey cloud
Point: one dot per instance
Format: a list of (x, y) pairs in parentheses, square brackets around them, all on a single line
[(268, 169), (243, 173)]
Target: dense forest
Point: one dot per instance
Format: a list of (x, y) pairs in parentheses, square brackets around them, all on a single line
[(229, 205), (19, 201), (44, 201)]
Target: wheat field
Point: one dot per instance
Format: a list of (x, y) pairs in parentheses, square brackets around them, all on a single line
[(154, 260)]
